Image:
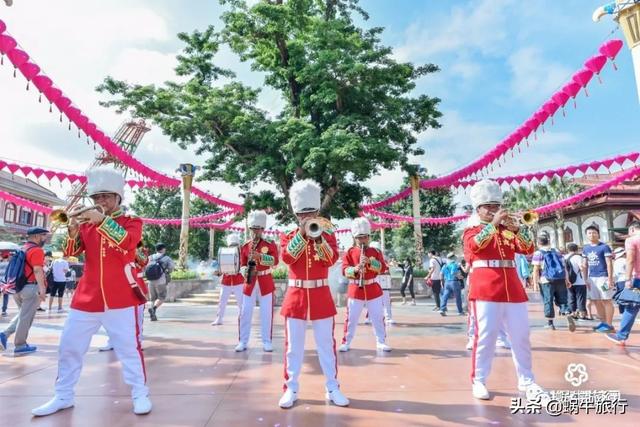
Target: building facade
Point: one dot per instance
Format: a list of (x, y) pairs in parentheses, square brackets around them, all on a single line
[(611, 212), (16, 219)]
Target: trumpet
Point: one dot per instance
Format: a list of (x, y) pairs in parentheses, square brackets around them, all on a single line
[(62, 216), (316, 226), (527, 218)]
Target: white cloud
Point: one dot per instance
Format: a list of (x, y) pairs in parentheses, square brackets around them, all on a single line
[(534, 77), (143, 66), (481, 27)]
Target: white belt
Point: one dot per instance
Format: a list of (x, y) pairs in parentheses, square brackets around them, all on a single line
[(364, 282), (308, 284), (494, 263), (265, 272)]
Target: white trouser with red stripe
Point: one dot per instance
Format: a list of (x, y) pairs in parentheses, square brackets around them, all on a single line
[(490, 317), (266, 315), (376, 316), (225, 292), (295, 331), (386, 303), (140, 326), (123, 329)]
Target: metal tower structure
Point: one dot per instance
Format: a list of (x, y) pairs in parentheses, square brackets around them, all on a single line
[(128, 137)]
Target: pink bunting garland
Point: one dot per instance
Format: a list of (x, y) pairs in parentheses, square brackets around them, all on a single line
[(20, 59), (560, 172), (24, 202), (579, 80)]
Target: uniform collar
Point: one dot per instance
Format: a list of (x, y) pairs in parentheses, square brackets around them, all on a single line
[(116, 214)]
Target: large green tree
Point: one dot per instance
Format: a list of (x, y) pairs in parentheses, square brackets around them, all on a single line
[(436, 202), (349, 110), (167, 203)]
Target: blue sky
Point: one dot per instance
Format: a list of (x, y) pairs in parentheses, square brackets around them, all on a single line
[(499, 59)]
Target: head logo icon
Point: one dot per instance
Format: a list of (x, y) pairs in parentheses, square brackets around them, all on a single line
[(576, 374)]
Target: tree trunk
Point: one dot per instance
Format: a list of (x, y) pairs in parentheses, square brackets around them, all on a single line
[(329, 194)]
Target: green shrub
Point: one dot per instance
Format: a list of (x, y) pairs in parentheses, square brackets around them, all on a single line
[(280, 273), (183, 275), (419, 272)]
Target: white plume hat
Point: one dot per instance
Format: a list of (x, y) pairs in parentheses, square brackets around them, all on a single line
[(257, 219), (233, 239), (105, 179), (305, 196), (485, 192), (360, 227)]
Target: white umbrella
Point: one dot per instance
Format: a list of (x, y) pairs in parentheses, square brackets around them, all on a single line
[(8, 246)]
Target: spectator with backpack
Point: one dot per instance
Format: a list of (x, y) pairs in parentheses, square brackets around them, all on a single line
[(453, 278), (158, 272), (4, 263), (26, 275), (550, 275), (577, 286), (619, 272)]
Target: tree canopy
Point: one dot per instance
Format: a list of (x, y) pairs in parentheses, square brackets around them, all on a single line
[(349, 109), (167, 203), (433, 203)]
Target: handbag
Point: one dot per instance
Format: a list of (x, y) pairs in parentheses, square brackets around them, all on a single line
[(628, 297)]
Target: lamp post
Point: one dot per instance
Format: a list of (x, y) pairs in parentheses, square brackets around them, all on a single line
[(627, 13), (187, 171), (247, 206), (212, 243), (417, 226)]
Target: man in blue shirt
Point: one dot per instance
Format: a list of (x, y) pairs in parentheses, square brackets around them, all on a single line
[(452, 275), (597, 269)]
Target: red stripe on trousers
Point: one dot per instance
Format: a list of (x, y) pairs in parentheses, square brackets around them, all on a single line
[(273, 304), (346, 324), (333, 338), (475, 341), (240, 316), (138, 345), (286, 348)]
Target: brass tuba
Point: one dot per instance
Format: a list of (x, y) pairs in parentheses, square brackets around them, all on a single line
[(316, 226)]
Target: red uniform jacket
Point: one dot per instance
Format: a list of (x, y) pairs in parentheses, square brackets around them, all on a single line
[(268, 252), (485, 242), (308, 260), (109, 248), (375, 265), (232, 279)]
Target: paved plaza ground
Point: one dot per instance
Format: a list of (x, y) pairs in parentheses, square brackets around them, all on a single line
[(197, 379)]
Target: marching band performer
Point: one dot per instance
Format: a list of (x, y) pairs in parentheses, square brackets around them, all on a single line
[(497, 297), (361, 264), (258, 256), (134, 273), (229, 284), (384, 280), (105, 296), (308, 295)]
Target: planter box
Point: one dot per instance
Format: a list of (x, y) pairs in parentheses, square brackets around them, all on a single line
[(181, 288)]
